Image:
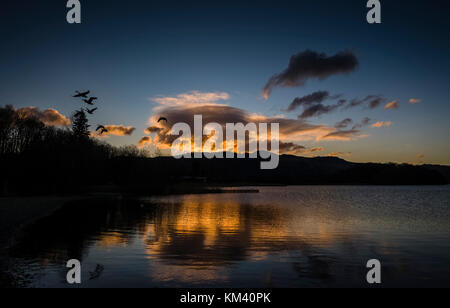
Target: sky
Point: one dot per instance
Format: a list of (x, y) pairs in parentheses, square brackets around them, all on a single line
[(242, 60)]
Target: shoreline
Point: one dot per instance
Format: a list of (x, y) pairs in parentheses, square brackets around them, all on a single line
[(16, 213)]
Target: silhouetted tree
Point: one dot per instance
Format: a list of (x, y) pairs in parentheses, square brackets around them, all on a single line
[(80, 125)]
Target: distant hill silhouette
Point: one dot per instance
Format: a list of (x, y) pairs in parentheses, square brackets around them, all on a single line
[(292, 170)]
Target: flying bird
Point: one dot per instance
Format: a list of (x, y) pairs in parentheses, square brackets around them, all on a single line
[(82, 94), (162, 119), (102, 129), (91, 111), (90, 101)]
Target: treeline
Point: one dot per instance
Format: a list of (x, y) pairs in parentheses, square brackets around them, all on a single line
[(38, 159)]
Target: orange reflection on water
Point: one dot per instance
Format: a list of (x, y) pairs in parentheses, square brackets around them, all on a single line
[(206, 228)]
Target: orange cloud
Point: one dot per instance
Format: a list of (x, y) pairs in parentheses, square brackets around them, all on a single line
[(392, 105), (50, 117), (415, 101), (419, 160), (295, 149), (192, 98), (182, 109), (340, 154), (144, 141), (117, 130), (382, 124)]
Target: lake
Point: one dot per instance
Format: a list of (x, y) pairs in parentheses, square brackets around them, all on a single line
[(299, 236)]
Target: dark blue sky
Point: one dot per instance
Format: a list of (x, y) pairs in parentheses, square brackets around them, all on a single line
[(130, 52)]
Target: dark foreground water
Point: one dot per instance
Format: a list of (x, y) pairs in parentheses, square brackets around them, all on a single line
[(281, 237)]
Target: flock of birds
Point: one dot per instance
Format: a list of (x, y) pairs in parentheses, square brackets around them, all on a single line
[(90, 101)]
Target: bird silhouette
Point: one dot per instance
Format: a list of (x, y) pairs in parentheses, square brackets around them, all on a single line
[(97, 272), (90, 101), (81, 94), (102, 129), (162, 119), (91, 111)]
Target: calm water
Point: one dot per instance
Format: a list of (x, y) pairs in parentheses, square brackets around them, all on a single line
[(281, 237)]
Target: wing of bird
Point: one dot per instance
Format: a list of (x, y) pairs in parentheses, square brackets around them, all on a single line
[(82, 94)]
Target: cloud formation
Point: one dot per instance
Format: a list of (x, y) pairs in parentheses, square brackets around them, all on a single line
[(50, 117), (382, 124), (370, 101), (144, 141), (191, 98), (308, 100), (339, 154), (344, 135), (153, 129), (118, 130), (310, 64), (344, 123), (313, 104), (392, 105), (291, 148), (214, 112), (365, 122), (320, 109), (415, 101)]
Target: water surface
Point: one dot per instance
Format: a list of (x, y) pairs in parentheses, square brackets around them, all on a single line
[(281, 237)]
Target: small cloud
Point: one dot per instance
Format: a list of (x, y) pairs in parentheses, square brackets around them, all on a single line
[(415, 101), (320, 109), (310, 64), (192, 98), (370, 101), (118, 130), (392, 105), (418, 160), (344, 135), (50, 117), (344, 123), (365, 122), (382, 124), (153, 129), (144, 141), (295, 149), (340, 154), (308, 100)]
